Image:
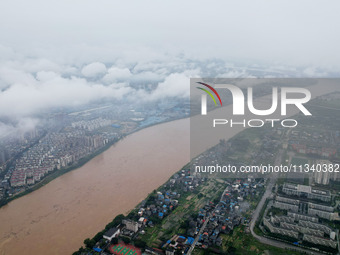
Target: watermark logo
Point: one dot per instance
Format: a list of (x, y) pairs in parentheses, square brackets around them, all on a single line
[(239, 99), (204, 97), (279, 97)]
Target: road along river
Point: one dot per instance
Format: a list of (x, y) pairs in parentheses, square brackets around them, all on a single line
[(57, 218)]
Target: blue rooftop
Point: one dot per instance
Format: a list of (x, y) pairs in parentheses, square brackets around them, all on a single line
[(190, 240)]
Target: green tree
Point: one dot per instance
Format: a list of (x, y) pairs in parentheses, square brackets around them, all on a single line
[(125, 239), (98, 236), (140, 243), (89, 243), (114, 240), (116, 221)]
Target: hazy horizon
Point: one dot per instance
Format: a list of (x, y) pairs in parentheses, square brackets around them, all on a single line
[(61, 54)]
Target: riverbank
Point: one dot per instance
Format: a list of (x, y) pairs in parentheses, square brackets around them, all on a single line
[(57, 173), (62, 213), (56, 218)]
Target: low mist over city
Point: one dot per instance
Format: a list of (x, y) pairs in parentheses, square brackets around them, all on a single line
[(108, 142)]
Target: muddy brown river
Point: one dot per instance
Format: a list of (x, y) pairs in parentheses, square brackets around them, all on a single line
[(57, 218)]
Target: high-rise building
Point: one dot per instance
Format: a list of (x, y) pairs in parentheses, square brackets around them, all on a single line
[(322, 176)]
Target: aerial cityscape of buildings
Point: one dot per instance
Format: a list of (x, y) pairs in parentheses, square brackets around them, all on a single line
[(69, 139), (300, 212), (169, 127), (194, 213)]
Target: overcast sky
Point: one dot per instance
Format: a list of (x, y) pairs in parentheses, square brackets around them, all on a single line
[(304, 32), (68, 52)]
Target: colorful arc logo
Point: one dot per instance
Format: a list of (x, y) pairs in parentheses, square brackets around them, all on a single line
[(209, 93)]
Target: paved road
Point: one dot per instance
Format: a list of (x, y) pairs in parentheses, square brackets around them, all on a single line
[(198, 235), (267, 194), (192, 247)]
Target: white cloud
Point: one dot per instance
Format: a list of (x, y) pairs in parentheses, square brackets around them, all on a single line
[(94, 69), (148, 76), (52, 90), (117, 74), (313, 72), (21, 125), (175, 85), (10, 76)]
